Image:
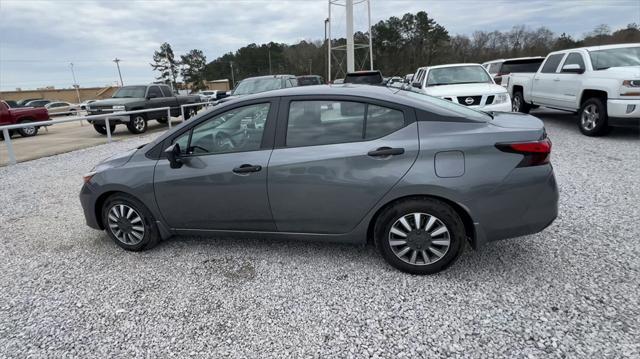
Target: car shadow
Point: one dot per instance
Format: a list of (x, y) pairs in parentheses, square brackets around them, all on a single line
[(569, 121)]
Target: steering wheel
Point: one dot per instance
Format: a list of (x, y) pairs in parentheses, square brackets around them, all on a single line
[(223, 141)]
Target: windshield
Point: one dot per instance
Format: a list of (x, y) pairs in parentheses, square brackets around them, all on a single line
[(620, 57), (250, 86), (450, 108), (130, 91), (457, 75)]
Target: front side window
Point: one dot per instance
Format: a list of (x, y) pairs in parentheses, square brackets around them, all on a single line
[(457, 75), (574, 58), (313, 123), (551, 65), (237, 130), (154, 92)]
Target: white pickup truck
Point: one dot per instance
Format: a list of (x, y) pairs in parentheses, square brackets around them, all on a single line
[(601, 84)]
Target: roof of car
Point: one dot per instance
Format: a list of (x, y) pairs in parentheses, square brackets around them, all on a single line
[(601, 47), (269, 76), (450, 65)]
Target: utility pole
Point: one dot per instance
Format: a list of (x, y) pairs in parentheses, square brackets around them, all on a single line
[(350, 47), (328, 54), (310, 65), (117, 61), (233, 81), (75, 83), (269, 50)]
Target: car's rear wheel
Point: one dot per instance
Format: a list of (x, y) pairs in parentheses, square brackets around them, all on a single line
[(137, 123), (518, 104), (102, 129), (592, 118), (27, 131), (129, 223), (420, 236), (190, 112)]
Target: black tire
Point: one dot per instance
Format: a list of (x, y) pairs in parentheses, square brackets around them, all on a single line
[(102, 129), (150, 236), (137, 123), (27, 131), (592, 118), (162, 120), (518, 104), (190, 112), (444, 214)]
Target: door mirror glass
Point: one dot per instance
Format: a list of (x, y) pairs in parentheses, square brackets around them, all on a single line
[(572, 68), (174, 155)]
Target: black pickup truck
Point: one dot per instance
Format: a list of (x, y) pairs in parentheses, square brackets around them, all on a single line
[(142, 97)]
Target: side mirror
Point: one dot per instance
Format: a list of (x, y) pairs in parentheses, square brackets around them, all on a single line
[(174, 156), (417, 85), (573, 68)]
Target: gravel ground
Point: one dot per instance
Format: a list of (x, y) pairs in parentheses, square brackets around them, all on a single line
[(572, 291)]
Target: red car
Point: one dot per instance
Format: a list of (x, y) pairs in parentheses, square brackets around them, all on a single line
[(12, 116)]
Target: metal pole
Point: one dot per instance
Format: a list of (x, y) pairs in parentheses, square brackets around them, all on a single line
[(182, 112), (233, 81), (10, 153), (117, 61), (169, 116), (75, 83), (310, 65), (329, 45), (106, 125), (370, 36), (269, 50), (326, 59), (350, 48)]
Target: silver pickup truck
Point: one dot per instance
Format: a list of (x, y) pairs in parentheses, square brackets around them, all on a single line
[(139, 97)]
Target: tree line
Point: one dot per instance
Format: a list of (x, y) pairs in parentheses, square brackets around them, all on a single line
[(400, 46)]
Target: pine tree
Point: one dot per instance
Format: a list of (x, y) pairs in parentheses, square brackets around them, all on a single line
[(192, 69), (164, 62)]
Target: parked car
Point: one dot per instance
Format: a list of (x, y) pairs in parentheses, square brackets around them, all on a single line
[(464, 84), (253, 85), (37, 103), (208, 95), (23, 102), (338, 81), (364, 78), (307, 80), (84, 104), (12, 116), (419, 176), (395, 81), (61, 108), (140, 97), (502, 68), (600, 83)]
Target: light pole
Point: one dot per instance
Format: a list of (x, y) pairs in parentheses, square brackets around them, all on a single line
[(269, 51), (233, 81), (117, 61), (75, 83), (326, 57)]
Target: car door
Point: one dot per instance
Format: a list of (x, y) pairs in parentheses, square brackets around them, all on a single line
[(222, 184), (156, 99), (544, 90), (5, 115), (570, 83), (331, 166)]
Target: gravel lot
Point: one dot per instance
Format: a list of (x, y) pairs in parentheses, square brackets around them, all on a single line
[(572, 291)]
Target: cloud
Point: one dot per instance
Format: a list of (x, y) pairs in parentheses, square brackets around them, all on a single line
[(38, 39)]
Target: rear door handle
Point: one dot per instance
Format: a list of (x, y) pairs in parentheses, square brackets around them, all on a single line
[(386, 151), (247, 168)]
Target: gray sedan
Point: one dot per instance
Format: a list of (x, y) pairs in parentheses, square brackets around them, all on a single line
[(416, 175)]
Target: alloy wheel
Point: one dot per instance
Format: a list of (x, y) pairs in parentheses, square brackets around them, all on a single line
[(419, 239), (126, 224), (138, 123), (516, 104), (29, 131), (590, 117)]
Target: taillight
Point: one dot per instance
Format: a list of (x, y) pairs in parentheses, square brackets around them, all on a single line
[(535, 153)]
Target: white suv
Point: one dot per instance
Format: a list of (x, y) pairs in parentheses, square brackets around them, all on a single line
[(465, 84)]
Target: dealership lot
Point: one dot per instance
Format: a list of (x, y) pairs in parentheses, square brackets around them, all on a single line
[(571, 290)]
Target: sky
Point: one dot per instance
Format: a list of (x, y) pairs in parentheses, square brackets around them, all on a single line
[(39, 39)]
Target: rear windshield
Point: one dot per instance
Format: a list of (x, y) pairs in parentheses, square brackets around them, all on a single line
[(530, 65), (251, 86), (367, 78), (306, 81)]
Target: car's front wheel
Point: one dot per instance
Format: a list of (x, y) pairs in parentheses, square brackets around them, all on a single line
[(27, 131), (420, 236), (592, 118), (102, 129), (137, 124), (518, 104), (129, 223)]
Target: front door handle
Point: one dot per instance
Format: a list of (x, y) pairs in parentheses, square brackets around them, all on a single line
[(386, 151), (247, 168)]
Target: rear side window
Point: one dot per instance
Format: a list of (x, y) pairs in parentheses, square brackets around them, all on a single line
[(313, 123), (154, 91), (551, 65), (514, 66), (166, 91), (494, 68)]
